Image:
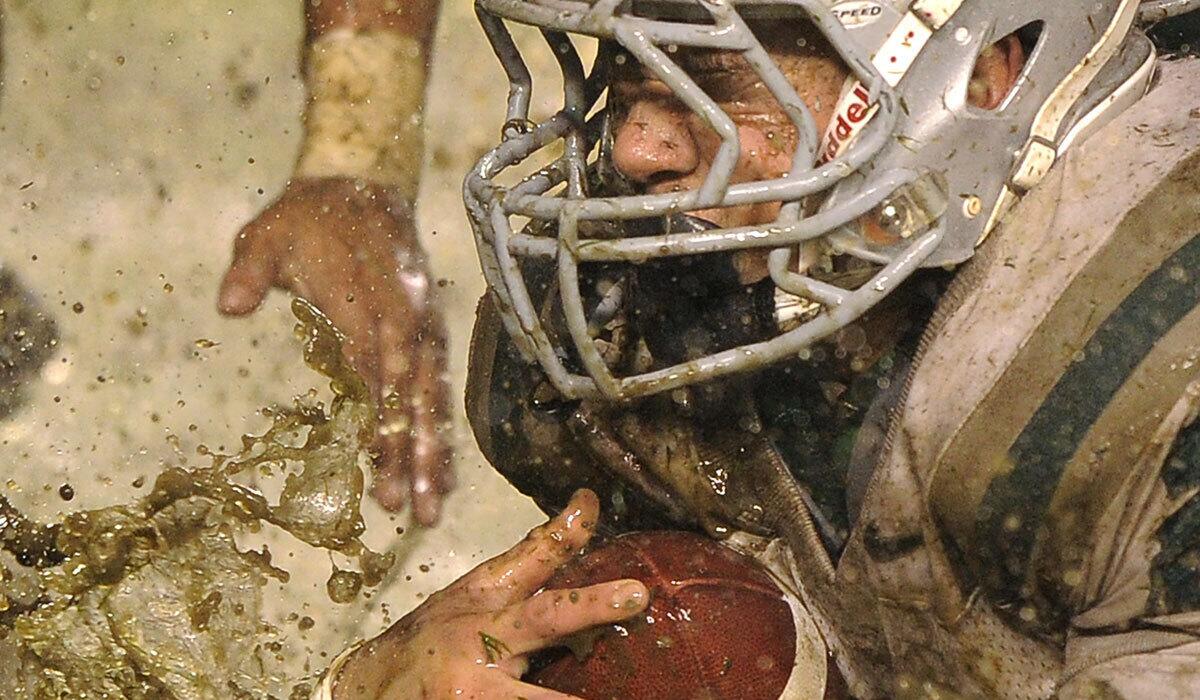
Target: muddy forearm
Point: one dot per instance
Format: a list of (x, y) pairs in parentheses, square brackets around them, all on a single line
[(412, 18), (366, 68)]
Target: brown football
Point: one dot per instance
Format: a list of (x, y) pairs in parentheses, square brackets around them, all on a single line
[(717, 626)]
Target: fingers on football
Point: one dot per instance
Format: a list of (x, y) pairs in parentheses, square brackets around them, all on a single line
[(250, 274), (540, 621), (519, 572)]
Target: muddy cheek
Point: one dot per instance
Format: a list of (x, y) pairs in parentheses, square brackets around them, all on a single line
[(766, 152)]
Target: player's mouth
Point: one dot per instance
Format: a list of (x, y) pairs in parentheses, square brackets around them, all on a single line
[(667, 311)]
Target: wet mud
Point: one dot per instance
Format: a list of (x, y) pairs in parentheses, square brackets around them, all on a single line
[(155, 598)]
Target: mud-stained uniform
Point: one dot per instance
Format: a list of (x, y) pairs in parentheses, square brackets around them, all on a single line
[(1018, 485)]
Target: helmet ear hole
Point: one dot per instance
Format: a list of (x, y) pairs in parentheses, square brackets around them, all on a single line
[(999, 67), (1030, 35)]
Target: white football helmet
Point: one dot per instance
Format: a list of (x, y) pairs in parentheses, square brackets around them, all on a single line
[(905, 152)]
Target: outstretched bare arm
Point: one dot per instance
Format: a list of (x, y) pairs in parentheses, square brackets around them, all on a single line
[(343, 234)]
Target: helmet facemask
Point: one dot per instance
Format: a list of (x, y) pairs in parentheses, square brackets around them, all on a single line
[(880, 187)]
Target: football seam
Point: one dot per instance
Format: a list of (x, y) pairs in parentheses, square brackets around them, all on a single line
[(685, 632), (746, 586)]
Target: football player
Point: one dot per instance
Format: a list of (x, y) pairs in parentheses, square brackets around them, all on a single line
[(878, 291)]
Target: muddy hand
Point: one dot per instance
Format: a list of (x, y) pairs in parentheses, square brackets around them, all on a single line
[(341, 246), (472, 640)]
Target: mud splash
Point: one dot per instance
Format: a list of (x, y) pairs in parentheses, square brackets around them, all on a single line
[(155, 599)]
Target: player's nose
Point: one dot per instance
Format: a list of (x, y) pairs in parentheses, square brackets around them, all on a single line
[(653, 143)]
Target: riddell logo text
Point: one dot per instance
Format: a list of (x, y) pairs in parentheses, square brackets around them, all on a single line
[(857, 13), (852, 115)]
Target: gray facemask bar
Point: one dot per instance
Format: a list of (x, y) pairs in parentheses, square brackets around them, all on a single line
[(1153, 11), (491, 206)]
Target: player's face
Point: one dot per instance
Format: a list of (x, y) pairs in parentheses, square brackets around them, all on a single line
[(663, 146)]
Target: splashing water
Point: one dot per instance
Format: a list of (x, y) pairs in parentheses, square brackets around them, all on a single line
[(155, 599)]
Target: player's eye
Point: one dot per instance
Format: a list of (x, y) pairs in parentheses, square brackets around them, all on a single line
[(730, 85)]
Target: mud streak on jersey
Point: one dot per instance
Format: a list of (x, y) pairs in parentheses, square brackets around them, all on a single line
[(1015, 505)]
